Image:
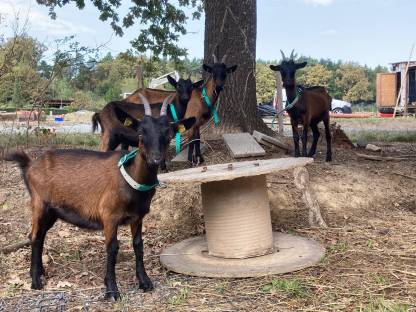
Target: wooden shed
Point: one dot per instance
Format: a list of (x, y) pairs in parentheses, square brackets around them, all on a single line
[(389, 85)]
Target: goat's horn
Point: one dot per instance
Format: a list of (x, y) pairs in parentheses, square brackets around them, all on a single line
[(147, 109), (215, 58), (224, 58), (283, 55), (164, 109), (291, 54)]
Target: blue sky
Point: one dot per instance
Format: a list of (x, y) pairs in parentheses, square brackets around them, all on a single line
[(369, 32)]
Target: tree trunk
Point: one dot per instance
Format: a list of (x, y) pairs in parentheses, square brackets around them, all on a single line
[(230, 28)]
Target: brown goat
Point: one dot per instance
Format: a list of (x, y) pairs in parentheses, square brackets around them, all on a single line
[(198, 107), (92, 190), (308, 106), (120, 128)]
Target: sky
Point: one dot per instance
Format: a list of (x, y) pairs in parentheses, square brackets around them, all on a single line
[(370, 32)]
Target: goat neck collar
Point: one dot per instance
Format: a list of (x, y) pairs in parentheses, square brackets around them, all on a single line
[(210, 106), (128, 178), (290, 105), (180, 129)]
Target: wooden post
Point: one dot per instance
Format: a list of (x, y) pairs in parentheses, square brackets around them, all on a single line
[(139, 73), (279, 102), (404, 85), (301, 176)]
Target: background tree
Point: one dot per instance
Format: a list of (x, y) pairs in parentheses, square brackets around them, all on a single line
[(352, 83), (231, 30), (162, 21), (265, 82), (315, 75)]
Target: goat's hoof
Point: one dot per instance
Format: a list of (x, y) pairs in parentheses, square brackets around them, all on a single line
[(146, 284), (328, 158), (112, 294)]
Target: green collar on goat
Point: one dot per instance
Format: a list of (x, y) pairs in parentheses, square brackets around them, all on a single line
[(288, 106), (211, 107), (128, 178)]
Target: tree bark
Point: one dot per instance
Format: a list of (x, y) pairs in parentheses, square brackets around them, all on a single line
[(230, 28)]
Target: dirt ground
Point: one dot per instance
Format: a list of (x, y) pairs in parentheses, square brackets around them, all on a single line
[(370, 261)]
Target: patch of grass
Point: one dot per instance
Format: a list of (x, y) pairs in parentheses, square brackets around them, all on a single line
[(382, 305), (292, 288), (370, 244), (383, 136), (221, 287), (8, 141), (341, 246), (180, 298), (380, 280), (73, 255), (122, 304)]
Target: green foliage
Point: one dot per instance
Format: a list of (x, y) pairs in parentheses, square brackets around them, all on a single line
[(19, 79), (292, 288), (265, 83), (352, 83), (316, 75), (180, 298), (382, 305), (162, 22)]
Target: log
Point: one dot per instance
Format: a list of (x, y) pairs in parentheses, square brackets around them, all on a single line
[(301, 176), (381, 158), (14, 247)]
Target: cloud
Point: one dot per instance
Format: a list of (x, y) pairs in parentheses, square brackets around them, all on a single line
[(328, 32), (38, 21), (319, 2)]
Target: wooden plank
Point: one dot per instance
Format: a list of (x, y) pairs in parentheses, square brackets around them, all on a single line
[(183, 155), (263, 138), (243, 145)]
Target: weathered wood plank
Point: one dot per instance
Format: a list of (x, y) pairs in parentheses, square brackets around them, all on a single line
[(243, 145), (263, 138)]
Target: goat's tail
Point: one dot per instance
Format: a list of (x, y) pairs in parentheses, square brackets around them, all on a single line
[(22, 159), (95, 121)]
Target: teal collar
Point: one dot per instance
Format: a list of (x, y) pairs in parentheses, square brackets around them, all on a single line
[(211, 107), (177, 134), (288, 106), (128, 178)]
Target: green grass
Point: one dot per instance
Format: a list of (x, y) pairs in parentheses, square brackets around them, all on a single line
[(292, 288), (339, 247), (383, 136), (180, 298), (10, 141), (382, 305)]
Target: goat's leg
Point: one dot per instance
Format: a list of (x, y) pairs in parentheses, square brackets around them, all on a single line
[(105, 142), (316, 135), (144, 281), (305, 139), (328, 139), (42, 220), (111, 242), (295, 136), (198, 156)]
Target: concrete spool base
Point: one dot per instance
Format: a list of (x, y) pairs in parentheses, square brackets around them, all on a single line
[(239, 240)]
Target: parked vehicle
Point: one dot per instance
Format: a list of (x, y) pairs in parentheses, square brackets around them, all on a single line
[(341, 107)]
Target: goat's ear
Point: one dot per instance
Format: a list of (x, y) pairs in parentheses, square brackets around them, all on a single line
[(207, 68), (301, 65), (231, 69), (127, 119), (275, 67), (172, 81), (183, 123), (198, 84)]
